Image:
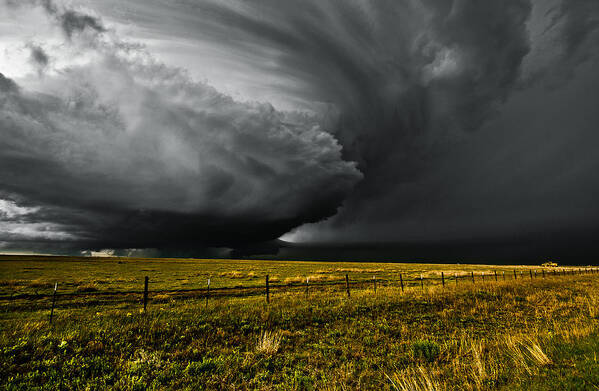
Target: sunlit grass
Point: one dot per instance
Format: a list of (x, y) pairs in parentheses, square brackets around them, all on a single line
[(486, 335)]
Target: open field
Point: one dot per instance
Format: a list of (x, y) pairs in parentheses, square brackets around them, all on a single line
[(539, 333), (36, 275)]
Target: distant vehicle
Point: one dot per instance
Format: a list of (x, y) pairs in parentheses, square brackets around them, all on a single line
[(549, 264)]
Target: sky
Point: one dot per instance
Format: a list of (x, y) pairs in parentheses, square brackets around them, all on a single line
[(228, 127)]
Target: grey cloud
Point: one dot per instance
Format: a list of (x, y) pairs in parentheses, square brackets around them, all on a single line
[(408, 78), (70, 20), (39, 57), (181, 165), (128, 153), (402, 86), (569, 38), (75, 22), (7, 85)]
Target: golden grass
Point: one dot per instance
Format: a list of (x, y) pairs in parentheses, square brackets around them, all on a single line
[(415, 379), (358, 270), (161, 298), (312, 278), (269, 342), (234, 274)]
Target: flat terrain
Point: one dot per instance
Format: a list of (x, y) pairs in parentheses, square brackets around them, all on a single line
[(538, 331), (33, 275)]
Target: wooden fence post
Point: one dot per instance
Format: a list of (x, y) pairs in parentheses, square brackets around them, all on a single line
[(443, 279), (421, 282), (207, 292), (503, 273), (146, 293), (495, 271), (515, 276), (530, 271), (472, 275), (543, 270), (347, 284), (267, 290), (53, 302), (307, 285), (483, 274)]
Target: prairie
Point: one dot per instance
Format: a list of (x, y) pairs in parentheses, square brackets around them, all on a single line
[(535, 333)]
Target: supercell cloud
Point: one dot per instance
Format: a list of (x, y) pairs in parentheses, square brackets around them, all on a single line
[(231, 123), (130, 153)]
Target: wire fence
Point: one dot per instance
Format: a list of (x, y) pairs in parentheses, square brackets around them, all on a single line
[(145, 296)]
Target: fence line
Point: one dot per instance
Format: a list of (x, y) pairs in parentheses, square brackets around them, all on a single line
[(238, 291)]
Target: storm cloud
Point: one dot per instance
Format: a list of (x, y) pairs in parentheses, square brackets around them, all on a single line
[(134, 154), (356, 121)]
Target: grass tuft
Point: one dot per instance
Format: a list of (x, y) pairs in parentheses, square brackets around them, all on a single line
[(269, 342)]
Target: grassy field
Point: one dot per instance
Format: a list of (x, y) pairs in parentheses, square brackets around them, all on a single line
[(539, 334)]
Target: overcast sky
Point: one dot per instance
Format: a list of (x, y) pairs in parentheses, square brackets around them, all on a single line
[(188, 124)]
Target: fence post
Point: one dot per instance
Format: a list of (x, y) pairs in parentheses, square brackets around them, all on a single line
[(483, 274), (53, 302), (374, 283), (543, 270), (530, 271), (495, 271), (503, 273), (267, 290), (207, 292), (421, 282), (535, 273), (472, 275), (347, 284), (401, 282), (443, 279), (307, 285), (515, 276), (146, 293)]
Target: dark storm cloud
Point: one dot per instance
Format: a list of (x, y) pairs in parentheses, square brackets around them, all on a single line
[(124, 152), (569, 37), (439, 102), (578, 22), (407, 79)]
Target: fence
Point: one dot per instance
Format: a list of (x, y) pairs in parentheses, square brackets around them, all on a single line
[(346, 284)]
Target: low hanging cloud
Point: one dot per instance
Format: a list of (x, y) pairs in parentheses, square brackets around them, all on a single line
[(121, 151)]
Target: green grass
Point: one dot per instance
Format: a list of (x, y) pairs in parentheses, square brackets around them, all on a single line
[(505, 335), (576, 368)]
